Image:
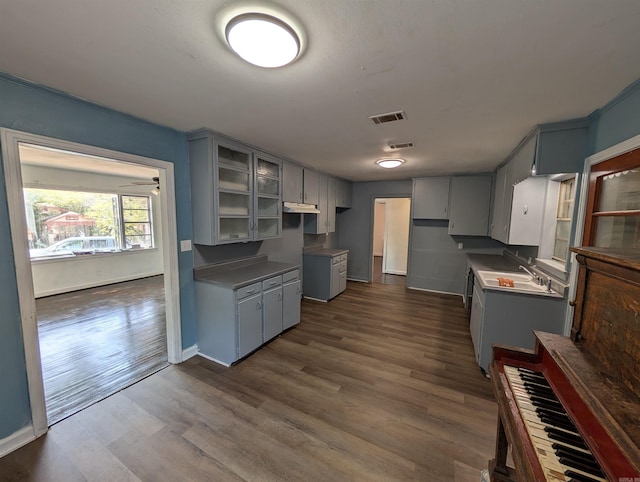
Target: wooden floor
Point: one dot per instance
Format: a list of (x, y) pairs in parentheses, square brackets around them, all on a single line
[(97, 341), (387, 279), (378, 384)]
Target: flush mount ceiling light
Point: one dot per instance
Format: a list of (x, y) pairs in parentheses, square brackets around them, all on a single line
[(262, 39), (390, 163)]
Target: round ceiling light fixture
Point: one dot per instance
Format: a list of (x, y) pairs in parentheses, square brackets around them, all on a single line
[(390, 163), (262, 39)]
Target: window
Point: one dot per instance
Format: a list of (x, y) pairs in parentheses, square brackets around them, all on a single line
[(563, 220), (613, 206), (136, 221), (70, 223)]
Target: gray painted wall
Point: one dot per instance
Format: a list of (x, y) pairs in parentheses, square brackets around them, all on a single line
[(354, 226), (435, 261)]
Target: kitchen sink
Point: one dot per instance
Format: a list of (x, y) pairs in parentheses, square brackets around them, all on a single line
[(521, 281)]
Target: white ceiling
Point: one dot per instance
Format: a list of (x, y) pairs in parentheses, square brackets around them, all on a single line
[(472, 76)]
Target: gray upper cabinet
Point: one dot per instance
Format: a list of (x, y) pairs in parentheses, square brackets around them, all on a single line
[(331, 205), (267, 222), (470, 202), (319, 223), (311, 180), (561, 147), (292, 183), (236, 193), (430, 198), (343, 193), (498, 230), (521, 164)]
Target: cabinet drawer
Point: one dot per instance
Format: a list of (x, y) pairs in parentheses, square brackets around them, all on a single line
[(343, 266), (343, 257), (271, 282), (291, 276), (249, 290), (335, 260)]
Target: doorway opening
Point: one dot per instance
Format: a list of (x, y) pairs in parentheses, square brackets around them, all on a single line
[(391, 219), (95, 249)]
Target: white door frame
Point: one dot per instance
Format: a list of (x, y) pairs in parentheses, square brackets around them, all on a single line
[(611, 152), (10, 140)]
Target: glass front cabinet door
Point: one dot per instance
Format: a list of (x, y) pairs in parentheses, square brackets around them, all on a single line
[(268, 195), (234, 177)]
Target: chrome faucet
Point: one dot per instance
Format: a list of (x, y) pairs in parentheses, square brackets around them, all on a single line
[(533, 275)]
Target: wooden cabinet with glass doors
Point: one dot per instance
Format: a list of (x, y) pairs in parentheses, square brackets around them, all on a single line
[(613, 204), (236, 193)]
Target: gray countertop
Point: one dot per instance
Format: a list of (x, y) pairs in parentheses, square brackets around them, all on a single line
[(509, 264), (328, 252), (238, 274)]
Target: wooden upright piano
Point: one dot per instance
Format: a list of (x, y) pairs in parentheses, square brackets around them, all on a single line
[(570, 409)]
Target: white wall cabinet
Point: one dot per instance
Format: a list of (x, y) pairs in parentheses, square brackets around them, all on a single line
[(236, 193), (430, 198), (470, 202), (517, 219)]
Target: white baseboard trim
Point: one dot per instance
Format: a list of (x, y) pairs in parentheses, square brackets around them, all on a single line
[(391, 271), (95, 284), (189, 352), (214, 360), (16, 440), (358, 280), (314, 299), (436, 291)]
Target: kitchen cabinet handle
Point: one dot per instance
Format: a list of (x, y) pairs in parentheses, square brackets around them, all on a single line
[(259, 306), (279, 296), (251, 291)]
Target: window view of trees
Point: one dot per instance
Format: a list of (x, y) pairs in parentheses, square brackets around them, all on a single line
[(68, 223)]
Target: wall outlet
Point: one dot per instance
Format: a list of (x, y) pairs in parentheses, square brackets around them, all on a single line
[(185, 245), (460, 245)]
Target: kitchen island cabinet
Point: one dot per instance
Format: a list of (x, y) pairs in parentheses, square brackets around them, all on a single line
[(325, 273)]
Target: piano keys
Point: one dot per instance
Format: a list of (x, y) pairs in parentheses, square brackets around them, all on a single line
[(562, 452), (570, 409)]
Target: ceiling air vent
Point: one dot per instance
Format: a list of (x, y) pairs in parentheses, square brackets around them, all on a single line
[(401, 145), (390, 117)]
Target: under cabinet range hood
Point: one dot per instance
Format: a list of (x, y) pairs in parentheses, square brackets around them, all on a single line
[(288, 207)]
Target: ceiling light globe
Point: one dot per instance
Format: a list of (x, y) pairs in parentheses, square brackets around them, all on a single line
[(262, 40), (390, 163)]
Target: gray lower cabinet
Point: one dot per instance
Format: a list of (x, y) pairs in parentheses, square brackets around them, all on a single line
[(325, 275), (271, 308), (234, 322), (291, 295), (249, 325), (499, 317)]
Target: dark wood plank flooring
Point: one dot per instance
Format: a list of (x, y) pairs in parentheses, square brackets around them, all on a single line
[(378, 384), (97, 341), (387, 279)]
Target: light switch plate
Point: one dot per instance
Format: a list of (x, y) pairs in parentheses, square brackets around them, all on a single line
[(185, 245)]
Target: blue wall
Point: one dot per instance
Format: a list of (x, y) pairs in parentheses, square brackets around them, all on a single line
[(616, 121), (30, 108)]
